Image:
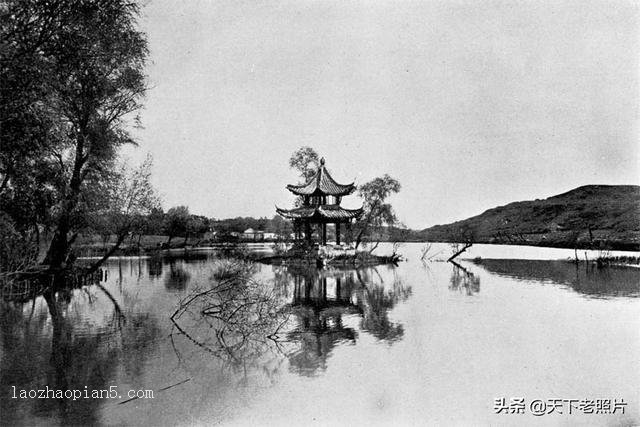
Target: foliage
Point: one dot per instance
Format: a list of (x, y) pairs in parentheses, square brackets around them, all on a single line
[(16, 252), (152, 224), (587, 217), (306, 161), (176, 222), (126, 200), (179, 222), (276, 225), (71, 74), (377, 212), (197, 225), (281, 227), (236, 270)]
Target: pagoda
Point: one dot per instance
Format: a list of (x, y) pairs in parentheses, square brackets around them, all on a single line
[(321, 196)]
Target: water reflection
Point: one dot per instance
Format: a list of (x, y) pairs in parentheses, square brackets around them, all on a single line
[(264, 347), (155, 266), (320, 301), (302, 315), (177, 278), (54, 343), (463, 280), (584, 279), (323, 298), (235, 319)]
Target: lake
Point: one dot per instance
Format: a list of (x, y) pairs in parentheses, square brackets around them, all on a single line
[(518, 331)]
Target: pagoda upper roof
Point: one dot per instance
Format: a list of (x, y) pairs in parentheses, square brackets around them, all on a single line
[(328, 212), (321, 183)]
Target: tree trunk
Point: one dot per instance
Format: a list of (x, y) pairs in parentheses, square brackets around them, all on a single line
[(60, 245), (464, 248), (373, 248), (106, 256), (367, 223), (5, 181)]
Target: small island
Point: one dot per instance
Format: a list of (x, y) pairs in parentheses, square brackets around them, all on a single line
[(318, 206)]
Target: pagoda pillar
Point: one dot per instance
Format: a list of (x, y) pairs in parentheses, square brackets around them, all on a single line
[(307, 231), (324, 233), (337, 233)]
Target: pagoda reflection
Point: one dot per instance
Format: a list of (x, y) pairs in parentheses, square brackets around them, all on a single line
[(329, 307)]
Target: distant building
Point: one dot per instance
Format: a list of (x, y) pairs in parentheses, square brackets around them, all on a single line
[(253, 235)]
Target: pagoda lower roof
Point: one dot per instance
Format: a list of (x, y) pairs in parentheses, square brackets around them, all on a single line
[(321, 212), (322, 184)]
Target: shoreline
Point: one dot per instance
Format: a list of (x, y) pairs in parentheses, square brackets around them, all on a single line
[(151, 251)]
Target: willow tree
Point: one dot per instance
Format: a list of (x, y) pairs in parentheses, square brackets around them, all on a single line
[(123, 204), (30, 127), (88, 56), (378, 212)]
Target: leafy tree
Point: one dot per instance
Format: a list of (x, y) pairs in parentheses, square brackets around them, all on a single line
[(98, 80), (197, 225), (72, 75), (128, 198), (153, 222), (280, 226), (16, 253), (377, 212), (29, 125), (240, 224), (176, 222), (305, 160)]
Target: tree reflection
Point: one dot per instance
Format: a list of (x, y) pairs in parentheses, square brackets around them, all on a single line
[(55, 344), (463, 280), (155, 266), (590, 281), (303, 315), (378, 301), (319, 314), (178, 277)]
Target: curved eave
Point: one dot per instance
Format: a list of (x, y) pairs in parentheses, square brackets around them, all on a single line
[(321, 183), (315, 191), (320, 213), (340, 213)]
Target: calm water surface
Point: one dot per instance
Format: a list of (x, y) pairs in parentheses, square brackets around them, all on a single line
[(421, 343)]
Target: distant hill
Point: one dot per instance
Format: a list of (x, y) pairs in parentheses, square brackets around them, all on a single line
[(592, 216)]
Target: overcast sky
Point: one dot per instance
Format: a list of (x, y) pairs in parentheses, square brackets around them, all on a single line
[(468, 104)]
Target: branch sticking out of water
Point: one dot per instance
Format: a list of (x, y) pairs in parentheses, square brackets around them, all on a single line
[(455, 255)]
